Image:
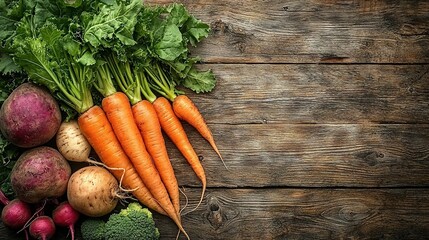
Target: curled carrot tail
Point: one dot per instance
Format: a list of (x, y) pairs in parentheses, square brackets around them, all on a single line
[(174, 129), (150, 128), (97, 130), (186, 110)]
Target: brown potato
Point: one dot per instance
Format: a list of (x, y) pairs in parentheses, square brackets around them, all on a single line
[(93, 191)]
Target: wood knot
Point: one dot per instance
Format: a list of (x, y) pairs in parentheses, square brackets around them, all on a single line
[(236, 35), (370, 157), (215, 213), (218, 26), (347, 211)]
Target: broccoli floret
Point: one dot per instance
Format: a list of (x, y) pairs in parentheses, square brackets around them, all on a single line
[(93, 229), (132, 223)]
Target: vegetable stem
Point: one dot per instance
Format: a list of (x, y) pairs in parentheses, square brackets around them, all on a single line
[(160, 83)]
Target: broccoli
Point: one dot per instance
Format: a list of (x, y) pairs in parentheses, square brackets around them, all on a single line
[(93, 229), (132, 223)]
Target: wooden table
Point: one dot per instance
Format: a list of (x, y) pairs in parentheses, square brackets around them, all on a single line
[(321, 111)]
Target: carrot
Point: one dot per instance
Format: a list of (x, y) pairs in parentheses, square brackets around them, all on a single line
[(133, 83), (147, 121), (118, 110), (185, 109), (98, 131), (174, 129)]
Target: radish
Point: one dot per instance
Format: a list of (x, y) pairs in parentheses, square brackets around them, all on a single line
[(16, 213), (65, 216), (42, 227)]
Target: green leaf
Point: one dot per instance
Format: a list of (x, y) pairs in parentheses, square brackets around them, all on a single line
[(178, 14), (72, 47), (113, 25), (9, 82), (7, 29), (7, 65), (72, 3), (50, 34), (170, 46), (148, 20), (195, 30), (32, 56), (87, 59), (9, 153), (200, 81)]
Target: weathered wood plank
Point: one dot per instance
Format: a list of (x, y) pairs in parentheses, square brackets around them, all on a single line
[(259, 93), (306, 214), (315, 31), (295, 214), (311, 155)]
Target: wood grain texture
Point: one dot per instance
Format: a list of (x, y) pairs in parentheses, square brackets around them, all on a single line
[(321, 114), (306, 214), (289, 93), (279, 213), (311, 155), (279, 31)]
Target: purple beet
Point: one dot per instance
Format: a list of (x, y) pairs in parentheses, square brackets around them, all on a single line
[(40, 173), (30, 116)]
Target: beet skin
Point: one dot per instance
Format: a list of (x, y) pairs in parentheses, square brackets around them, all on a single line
[(30, 116), (40, 173)]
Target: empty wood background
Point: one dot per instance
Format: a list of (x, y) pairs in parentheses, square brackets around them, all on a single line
[(321, 112)]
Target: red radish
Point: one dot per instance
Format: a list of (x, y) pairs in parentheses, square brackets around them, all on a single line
[(16, 214), (42, 227), (65, 216)]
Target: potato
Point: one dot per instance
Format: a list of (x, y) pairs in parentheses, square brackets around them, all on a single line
[(93, 191), (40, 173)]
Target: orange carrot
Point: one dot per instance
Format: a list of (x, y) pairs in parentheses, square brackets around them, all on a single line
[(147, 121), (120, 115), (185, 109), (174, 129), (133, 83), (96, 128)]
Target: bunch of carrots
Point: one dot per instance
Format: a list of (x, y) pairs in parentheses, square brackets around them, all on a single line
[(135, 56), (126, 133)]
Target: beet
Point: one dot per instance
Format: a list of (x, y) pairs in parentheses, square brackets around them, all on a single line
[(30, 116), (40, 173)]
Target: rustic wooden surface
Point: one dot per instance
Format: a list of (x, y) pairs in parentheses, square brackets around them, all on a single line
[(321, 112)]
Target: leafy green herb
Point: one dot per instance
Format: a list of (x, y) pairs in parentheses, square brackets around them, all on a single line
[(51, 58), (8, 157), (59, 43), (112, 25), (163, 36)]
